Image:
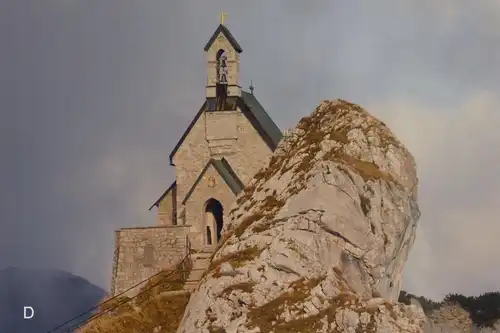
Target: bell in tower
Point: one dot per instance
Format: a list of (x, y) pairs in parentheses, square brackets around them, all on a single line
[(221, 85), (222, 67), (223, 60)]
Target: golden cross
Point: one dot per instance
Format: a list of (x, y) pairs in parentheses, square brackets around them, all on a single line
[(222, 17)]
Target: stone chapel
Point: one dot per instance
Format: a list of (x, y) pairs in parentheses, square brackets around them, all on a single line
[(229, 139)]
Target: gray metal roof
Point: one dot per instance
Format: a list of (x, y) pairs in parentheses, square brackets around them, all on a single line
[(263, 118), (253, 110), (228, 174)]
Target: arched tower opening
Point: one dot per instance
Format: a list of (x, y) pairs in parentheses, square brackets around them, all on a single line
[(221, 83), (214, 220)]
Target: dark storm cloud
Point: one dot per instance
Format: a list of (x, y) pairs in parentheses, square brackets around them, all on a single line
[(95, 94)]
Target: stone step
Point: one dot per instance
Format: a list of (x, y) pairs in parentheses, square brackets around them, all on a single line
[(201, 258), (199, 268), (196, 274), (201, 255), (195, 269), (190, 285), (173, 293), (195, 277), (201, 264)]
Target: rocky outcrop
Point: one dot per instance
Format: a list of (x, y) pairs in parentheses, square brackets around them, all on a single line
[(449, 318), (457, 313), (495, 328), (318, 239), (453, 318)]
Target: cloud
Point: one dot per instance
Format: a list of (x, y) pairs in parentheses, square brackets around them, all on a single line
[(95, 96), (116, 187), (458, 156)]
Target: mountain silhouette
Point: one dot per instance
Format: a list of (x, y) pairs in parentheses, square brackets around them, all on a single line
[(56, 296)]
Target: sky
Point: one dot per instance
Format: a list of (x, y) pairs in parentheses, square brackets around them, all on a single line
[(95, 94)]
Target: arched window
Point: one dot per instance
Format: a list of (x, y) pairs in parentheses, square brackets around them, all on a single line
[(148, 260)]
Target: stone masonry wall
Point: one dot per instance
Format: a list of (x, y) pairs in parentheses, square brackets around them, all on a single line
[(190, 160), (195, 205), (132, 264), (252, 153), (166, 209), (249, 154), (233, 62)]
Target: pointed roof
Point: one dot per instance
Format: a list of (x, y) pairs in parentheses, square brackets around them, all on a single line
[(170, 188), (225, 171), (254, 112), (222, 28)]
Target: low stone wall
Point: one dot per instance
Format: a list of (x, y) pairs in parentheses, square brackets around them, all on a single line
[(143, 252)]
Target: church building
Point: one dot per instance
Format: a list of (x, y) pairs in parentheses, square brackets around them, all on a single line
[(229, 139)]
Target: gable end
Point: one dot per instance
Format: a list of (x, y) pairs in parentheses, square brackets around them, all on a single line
[(229, 37), (225, 171), (253, 111), (170, 188)]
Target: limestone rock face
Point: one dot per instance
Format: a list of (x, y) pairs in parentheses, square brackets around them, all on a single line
[(318, 239)]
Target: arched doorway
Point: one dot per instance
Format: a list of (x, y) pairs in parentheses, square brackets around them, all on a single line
[(214, 219)]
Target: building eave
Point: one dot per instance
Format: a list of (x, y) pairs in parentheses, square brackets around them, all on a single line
[(170, 188), (186, 132), (225, 171), (222, 28)]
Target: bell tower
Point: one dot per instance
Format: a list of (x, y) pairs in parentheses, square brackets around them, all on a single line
[(223, 64)]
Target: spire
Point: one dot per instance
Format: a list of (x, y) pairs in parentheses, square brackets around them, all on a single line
[(223, 60), (225, 31), (251, 87), (222, 17)]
